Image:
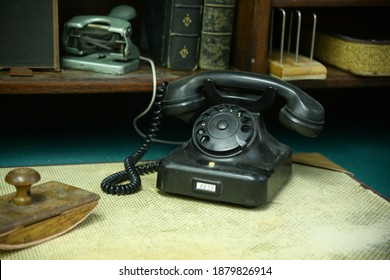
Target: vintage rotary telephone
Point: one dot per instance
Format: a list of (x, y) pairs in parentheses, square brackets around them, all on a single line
[(231, 157)]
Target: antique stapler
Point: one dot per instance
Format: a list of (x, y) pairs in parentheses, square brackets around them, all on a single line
[(101, 43), (40, 213)]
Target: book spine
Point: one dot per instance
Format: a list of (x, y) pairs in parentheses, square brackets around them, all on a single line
[(216, 34), (180, 48), (153, 27)]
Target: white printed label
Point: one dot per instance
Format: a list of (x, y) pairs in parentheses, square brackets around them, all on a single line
[(206, 187)]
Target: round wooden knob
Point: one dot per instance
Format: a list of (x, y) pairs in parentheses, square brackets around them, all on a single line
[(22, 178)]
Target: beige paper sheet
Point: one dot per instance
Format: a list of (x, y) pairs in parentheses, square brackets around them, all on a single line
[(319, 214)]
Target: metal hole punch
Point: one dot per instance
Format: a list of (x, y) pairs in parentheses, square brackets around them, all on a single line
[(101, 43)]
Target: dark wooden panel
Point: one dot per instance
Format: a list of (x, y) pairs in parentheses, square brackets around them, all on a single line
[(251, 36), (29, 34)]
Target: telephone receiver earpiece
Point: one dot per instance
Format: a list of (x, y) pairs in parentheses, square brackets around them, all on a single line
[(186, 98)]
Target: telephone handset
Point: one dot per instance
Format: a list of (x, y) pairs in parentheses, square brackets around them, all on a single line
[(230, 157), (301, 113)]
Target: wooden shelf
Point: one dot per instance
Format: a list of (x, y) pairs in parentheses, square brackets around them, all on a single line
[(337, 78), (249, 54), (74, 81), (329, 3)]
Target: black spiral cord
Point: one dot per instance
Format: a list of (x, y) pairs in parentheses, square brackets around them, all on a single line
[(114, 184)]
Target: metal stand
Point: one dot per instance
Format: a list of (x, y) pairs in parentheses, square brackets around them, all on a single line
[(293, 66)]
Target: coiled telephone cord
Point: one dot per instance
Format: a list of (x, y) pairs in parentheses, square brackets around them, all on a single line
[(115, 183)]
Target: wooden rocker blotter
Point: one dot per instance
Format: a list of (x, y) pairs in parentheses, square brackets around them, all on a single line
[(289, 66), (40, 213)]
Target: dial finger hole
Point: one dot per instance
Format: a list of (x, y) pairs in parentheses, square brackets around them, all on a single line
[(246, 128), (204, 139)]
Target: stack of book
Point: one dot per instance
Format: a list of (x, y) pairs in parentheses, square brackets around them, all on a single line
[(190, 34)]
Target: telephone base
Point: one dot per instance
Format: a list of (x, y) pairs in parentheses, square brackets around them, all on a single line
[(216, 181)]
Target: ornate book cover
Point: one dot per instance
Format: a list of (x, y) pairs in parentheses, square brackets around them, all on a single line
[(216, 34), (173, 32)]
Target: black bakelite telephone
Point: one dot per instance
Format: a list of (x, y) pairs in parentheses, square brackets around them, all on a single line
[(231, 157)]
